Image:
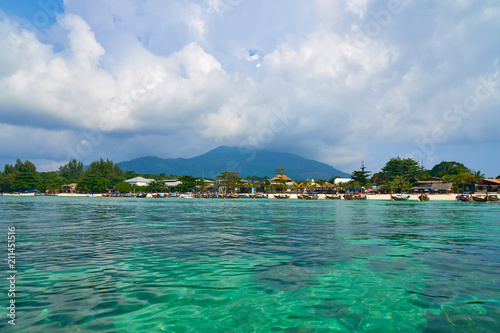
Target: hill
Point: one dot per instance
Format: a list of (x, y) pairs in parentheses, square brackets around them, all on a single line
[(212, 163)]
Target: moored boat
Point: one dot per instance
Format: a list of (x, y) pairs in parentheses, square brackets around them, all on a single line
[(333, 196), (463, 197), (480, 198), (281, 196), (400, 197), (493, 197), (187, 196), (423, 197)]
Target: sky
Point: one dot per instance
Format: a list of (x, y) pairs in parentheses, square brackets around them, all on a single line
[(341, 82)]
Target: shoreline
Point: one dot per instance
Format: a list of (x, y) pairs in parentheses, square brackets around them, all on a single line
[(293, 196)]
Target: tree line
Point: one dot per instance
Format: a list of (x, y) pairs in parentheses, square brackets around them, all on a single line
[(99, 176)]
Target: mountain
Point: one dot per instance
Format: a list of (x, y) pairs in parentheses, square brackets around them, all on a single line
[(247, 162)]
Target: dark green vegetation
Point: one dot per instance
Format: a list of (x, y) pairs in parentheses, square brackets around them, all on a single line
[(247, 162), (399, 174)]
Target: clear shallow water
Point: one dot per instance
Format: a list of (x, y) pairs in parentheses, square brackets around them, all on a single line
[(187, 265)]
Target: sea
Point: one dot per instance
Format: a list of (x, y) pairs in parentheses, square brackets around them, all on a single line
[(248, 265)]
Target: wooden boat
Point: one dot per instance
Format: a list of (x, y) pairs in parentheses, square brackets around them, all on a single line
[(260, 196), (187, 196), (463, 197), (360, 197), (333, 196), (158, 195), (307, 196), (231, 196), (282, 196), (493, 197), (423, 197), (480, 198), (246, 195), (348, 197), (400, 197), (141, 195)]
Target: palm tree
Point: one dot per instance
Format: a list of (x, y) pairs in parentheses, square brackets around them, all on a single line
[(400, 182)]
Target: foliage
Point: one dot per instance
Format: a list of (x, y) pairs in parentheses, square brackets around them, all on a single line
[(27, 166), (188, 184), (106, 169), (398, 183), (229, 178), (361, 176), (72, 171), (256, 178), (51, 181), (320, 181), (460, 180), (123, 187), (94, 183), (27, 181), (448, 168), (405, 167), (332, 180)]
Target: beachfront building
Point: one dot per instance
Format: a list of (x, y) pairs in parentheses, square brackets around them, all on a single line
[(433, 187), (172, 183), (488, 185), (282, 179), (139, 181), (69, 188), (339, 181)]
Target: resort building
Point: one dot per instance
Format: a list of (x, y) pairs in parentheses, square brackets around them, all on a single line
[(488, 185), (69, 188), (342, 180), (139, 181), (433, 187), (171, 183), (282, 179)]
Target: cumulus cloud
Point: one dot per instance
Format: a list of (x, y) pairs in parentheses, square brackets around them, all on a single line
[(340, 74)]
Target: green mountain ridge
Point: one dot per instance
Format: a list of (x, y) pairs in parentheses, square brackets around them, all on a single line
[(247, 162)]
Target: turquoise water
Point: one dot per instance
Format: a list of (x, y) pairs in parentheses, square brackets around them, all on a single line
[(196, 265)]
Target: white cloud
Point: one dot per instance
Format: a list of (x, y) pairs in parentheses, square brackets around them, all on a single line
[(150, 68)]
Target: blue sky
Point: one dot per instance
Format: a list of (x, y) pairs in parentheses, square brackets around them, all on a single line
[(336, 81)]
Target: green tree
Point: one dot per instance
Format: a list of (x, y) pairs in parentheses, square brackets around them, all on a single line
[(332, 180), (8, 169), (72, 171), (188, 184), (460, 180), (106, 169), (405, 167), (229, 178), (123, 187), (27, 166), (448, 168), (94, 183), (51, 181), (361, 176), (26, 181)]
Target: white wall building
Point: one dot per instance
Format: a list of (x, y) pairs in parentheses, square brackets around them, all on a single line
[(139, 181)]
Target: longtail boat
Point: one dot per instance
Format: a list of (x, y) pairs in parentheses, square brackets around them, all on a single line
[(348, 197), (400, 197), (463, 197), (493, 197), (480, 198), (423, 197), (333, 196), (282, 196)]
